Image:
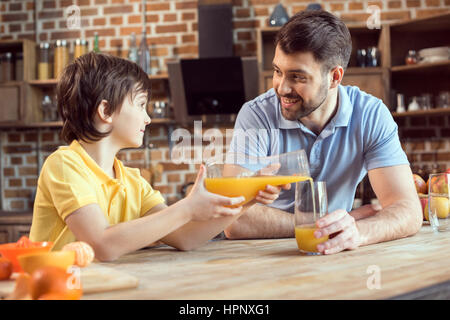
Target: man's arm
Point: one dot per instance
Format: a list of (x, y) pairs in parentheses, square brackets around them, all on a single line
[(260, 222), (402, 213), (400, 217), (263, 222)]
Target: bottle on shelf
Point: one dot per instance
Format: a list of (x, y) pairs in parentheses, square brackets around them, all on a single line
[(7, 67), (44, 68), (411, 57), (81, 48), (96, 46), (61, 57), (133, 52), (144, 53), (18, 66), (47, 108)]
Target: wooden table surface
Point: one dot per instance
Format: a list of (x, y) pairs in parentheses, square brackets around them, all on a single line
[(274, 269)]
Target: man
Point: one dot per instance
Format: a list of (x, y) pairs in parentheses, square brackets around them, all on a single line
[(345, 132)]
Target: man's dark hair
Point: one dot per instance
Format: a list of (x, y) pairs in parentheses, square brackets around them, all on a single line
[(320, 33), (87, 81)]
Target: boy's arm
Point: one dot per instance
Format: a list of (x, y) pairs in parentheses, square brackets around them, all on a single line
[(110, 242), (196, 233)]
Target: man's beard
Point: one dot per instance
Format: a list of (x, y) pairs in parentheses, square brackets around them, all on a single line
[(304, 109)]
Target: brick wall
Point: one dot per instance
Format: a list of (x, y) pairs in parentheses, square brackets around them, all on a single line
[(172, 34), (426, 141)]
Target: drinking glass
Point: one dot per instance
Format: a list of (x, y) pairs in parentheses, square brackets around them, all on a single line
[(242, 175), (311, 204), (438, 201), (373, 57), (361, 57)]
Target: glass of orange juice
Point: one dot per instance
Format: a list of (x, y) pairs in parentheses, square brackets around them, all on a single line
[(438, 205), (311, 203), (243, 175)]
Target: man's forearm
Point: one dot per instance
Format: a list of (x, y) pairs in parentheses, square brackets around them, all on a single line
[(399, 220), (261, 222)]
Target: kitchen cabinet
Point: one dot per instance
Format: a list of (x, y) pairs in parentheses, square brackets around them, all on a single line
[(422, 78), (17, 104)]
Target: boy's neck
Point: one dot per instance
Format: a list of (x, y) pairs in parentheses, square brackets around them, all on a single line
[(102, 153)]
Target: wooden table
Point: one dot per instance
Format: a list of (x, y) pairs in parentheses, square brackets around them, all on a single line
[(413, 267)]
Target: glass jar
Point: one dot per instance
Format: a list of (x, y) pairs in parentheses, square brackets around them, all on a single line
[(7, 67), (411, 57), (61, 57), (81, 48), (46, 106), (44, 71), (18, 66), (158, 110)]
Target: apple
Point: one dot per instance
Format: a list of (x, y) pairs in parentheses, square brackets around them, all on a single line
[(441, 205), (423, 201), (420, 184)]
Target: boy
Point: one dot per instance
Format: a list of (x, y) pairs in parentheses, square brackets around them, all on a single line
[(85, 193)]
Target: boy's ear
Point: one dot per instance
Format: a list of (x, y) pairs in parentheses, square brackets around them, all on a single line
[(101, 111)]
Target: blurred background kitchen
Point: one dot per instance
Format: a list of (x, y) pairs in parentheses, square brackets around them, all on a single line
[(400, 54)]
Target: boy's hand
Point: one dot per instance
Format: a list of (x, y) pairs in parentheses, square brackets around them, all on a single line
[(204, 205), (271, 193)]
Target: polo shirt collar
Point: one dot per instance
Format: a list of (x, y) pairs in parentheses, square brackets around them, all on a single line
[(344, 113), (341, 119), (99, 172)]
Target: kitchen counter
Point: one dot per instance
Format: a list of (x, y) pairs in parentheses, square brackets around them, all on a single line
[(414, 267)]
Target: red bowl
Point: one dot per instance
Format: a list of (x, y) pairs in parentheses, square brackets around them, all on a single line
[(11, 251)]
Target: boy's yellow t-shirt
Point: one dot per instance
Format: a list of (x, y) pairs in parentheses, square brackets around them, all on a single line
[(71, 179)]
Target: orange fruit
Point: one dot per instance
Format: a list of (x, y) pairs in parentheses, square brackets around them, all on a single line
[(54, 280), (84, 254), (5, 268), (55, 296), (23, 288), (24, 242)]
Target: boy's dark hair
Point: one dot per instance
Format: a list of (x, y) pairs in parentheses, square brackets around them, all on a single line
[(320, 33), (87, 81)]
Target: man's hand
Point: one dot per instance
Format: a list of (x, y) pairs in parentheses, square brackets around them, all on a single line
[(341, 229)]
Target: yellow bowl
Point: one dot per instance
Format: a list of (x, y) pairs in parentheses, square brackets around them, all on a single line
[(34, 261)]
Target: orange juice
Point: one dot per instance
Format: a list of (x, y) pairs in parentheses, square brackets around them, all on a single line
[(305, 239), (247, 186)]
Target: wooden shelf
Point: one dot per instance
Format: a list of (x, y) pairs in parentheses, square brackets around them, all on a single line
[(162, 121), (435, 22), (162, 76), (367, 70), (43, 83), (22, 125), (53, 82), (420, 66), (431, 112), (58, 124), (11, 83)]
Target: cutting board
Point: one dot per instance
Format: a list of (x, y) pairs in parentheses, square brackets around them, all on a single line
[(94, 278)]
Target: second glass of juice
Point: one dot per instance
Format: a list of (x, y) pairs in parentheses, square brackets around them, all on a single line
[(311, 204)]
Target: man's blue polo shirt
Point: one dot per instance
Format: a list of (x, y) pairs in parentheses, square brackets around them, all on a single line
[(361, 136)]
